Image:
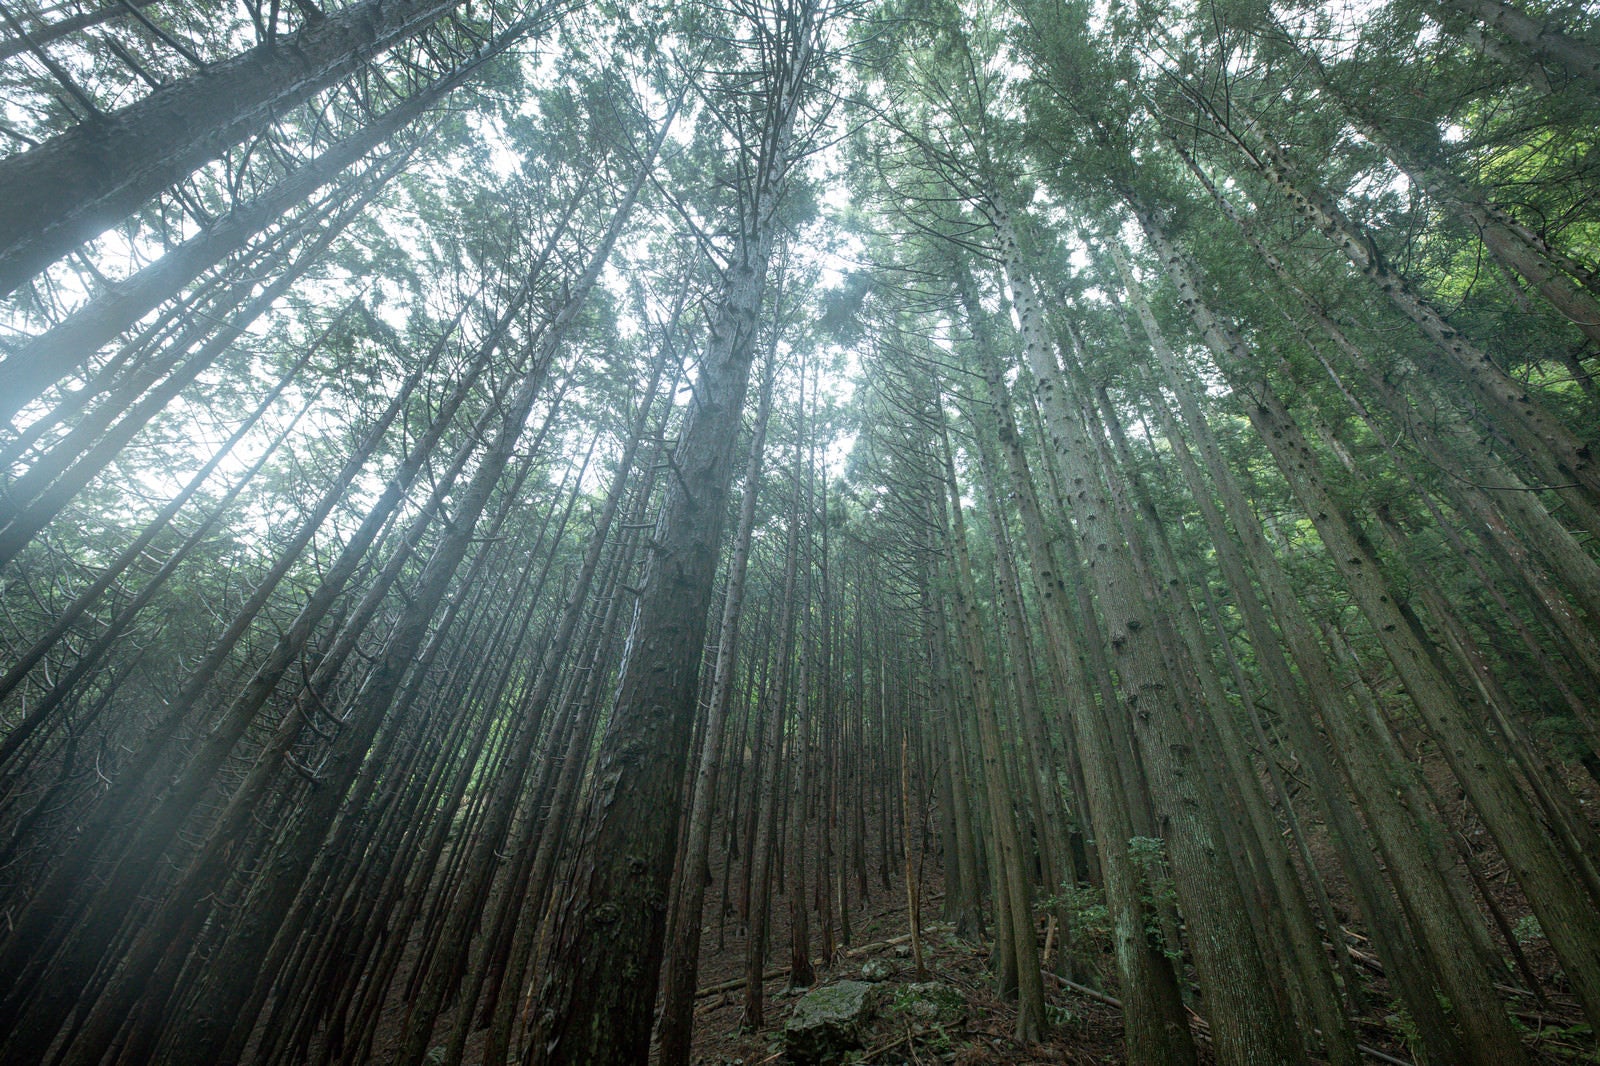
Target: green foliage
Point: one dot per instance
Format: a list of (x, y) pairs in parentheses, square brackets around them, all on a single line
[(1085, 910), (1402, 1025), (1158, 891)]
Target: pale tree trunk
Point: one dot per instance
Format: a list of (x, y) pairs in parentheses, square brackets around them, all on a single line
[(209, 1020), (1577, 57), (352, 836), (205, 870), (42, 35), (24, 662), (210, 1024), (141, 784), (963, 894), (63, 472), (1246, 1024), (1555, 276), (1153, 1019), (41, 720), (42, 988), (1044, 797), (1418, 150)]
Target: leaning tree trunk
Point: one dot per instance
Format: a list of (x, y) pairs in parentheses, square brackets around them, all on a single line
[(42, 977), (44, 34), (71, 469), (1567, 462), (1418, 150), (1426, 896), (441, 977), (70, 188), (211, 1017), (1577, 57), (1533, 856), (1449, 442), (45, 359), (1245, 1019)]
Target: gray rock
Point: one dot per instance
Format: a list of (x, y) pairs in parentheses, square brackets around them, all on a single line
[(876, 970), (932, 1003), (828, 1023)]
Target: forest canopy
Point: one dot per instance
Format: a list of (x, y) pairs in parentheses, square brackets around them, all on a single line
[(519, 517)]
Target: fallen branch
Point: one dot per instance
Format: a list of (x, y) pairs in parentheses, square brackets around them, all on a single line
[(879, 945), (737, 982), (1084, 990), (872, 1053)]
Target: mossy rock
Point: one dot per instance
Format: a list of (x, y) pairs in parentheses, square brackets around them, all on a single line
[(932, 1003), (876, 970), (828, 1023)]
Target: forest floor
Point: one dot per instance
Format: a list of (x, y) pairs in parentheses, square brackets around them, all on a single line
[(1085, 1026), (1085, 1030)]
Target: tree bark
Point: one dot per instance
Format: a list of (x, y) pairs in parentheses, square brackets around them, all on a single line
[(1245, 1020), (598, 999), (683, 954), (35, 365), (1556, 451)]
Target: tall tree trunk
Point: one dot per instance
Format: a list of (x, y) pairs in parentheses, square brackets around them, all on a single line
[(598, 999), (1419, 151), (39, 36), (1245, 1021), (44, 497), (683, 954), (1577, 57), (765, 802), (209, 1026), (1394, 826), (1155, 1026), (1556, 451), (480, 866), (1011, 896)]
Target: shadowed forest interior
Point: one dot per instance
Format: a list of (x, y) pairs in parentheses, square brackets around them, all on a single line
[(809, 531)]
